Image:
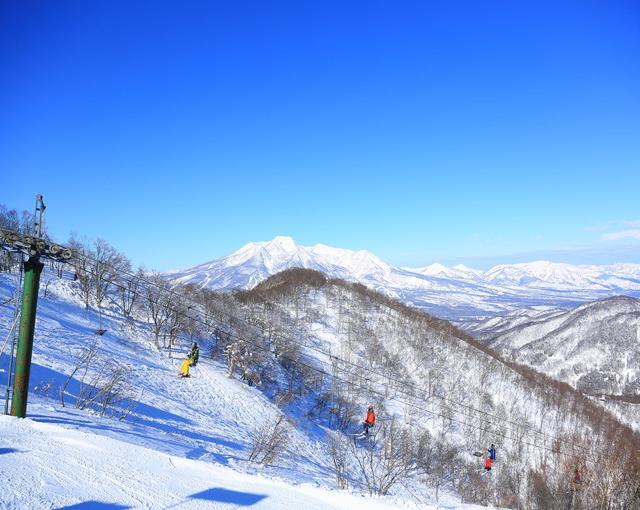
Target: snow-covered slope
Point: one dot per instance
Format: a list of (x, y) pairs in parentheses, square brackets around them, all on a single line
[(46, 465), (439, 397), (594, 347), (458, 293), (491, 327), (186, 443), (453, 376)]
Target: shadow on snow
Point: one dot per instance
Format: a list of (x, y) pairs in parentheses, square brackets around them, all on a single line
[(144, 419), (94, 505), (57, 379), (220, 495)]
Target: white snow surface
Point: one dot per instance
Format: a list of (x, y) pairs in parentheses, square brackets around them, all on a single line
[(185, 446), (458, 293), (45, 465)]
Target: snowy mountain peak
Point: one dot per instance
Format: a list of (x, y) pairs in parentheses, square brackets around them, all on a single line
[(255, 262), (276, 249), (436, 269), (454, 292), (283, 243), (462, 267), (360, 262), (460, 272)]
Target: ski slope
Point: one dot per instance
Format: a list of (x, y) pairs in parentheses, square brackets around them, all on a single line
[(44, 465), (185, 446)]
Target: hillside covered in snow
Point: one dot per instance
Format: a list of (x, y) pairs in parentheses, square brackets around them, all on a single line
[(286, 372), (594, 347), (459, 293), (184, 442)]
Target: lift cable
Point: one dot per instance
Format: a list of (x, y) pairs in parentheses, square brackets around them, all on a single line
[(146, 282), (183, 298)]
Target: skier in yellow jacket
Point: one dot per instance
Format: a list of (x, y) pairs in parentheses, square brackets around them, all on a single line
[(184, 368)]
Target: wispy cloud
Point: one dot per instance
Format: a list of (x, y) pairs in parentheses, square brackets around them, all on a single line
[(624, 234), (611, 225)]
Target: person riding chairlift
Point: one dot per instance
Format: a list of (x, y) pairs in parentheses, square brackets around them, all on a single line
[(369, 421), (576, 483), (190, 361), (492, 452), (487, 463), (194, 354), (184, 367)]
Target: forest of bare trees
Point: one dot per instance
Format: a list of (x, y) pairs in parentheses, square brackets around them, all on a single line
[(450, 373)]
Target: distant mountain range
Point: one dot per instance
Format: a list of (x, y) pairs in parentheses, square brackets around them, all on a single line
[(459, 293)]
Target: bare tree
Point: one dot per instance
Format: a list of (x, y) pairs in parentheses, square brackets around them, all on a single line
[(84, 359), (157, 305), (128, 291), (107, 264), (388, 461), (175, 324), (436, 461), (81, 263), (269, 441), (103, 384), (339, 450)]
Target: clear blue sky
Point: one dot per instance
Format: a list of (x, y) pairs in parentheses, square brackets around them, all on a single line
[(430, 131)]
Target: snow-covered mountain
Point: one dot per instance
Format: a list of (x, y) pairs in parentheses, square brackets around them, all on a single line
[(321, 350), (460, 271), (255, 262), (458, 292), (185, 443), (594, 347), (544, 274)]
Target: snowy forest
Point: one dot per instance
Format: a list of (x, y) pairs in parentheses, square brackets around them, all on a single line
[(322, 350)]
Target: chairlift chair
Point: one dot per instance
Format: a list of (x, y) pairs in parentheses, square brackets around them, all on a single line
[(100, 331)]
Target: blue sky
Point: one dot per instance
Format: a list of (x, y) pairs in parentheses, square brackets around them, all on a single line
[(476, 132)]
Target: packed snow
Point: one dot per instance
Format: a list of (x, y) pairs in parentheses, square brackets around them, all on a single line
[(44, 464)]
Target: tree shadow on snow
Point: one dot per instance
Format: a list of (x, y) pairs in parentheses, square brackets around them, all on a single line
[(200, 453), (141, 429), (8, 450), (159, 414), (143, 423), (94, 505), (57, 379), (220, 495)]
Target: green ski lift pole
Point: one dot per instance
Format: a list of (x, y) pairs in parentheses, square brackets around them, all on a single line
[(32, 269)]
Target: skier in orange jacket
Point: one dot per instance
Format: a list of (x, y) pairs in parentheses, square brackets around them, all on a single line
[(369, 421), (487, 463)]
